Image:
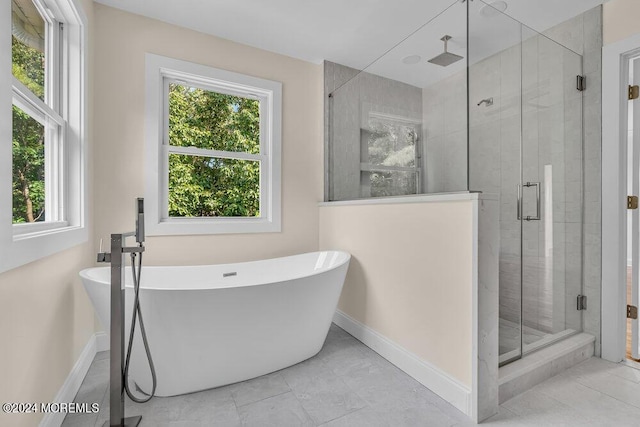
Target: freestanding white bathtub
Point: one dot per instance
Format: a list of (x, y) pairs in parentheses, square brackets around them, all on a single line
[(207, 328)]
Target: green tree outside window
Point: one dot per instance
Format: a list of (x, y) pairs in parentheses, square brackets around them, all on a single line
[(201, 186)]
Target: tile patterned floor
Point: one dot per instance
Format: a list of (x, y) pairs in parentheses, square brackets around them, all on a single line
[(349, 385)]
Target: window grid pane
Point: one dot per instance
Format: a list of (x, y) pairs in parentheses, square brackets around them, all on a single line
[(388, 183), (28, 151), (28, 46), (211, 120), (201, 186)]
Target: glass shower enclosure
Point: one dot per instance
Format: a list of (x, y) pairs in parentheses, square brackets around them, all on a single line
[(476, 101), (527, 149)]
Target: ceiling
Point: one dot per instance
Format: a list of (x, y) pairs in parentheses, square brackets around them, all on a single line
[(357, 32)]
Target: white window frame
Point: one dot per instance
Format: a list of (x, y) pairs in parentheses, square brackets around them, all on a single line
[(160, 71), (65, 167)]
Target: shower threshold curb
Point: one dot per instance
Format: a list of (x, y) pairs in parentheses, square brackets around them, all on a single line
[(519, 376)]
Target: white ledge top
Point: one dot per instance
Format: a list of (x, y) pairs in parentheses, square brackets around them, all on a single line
[(419, 198)]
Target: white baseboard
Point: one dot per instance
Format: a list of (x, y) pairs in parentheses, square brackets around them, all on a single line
[(102, 341), (430, 376), (72, 384)]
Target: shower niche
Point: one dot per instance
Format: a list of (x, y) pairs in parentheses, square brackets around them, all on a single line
[(499, 111)]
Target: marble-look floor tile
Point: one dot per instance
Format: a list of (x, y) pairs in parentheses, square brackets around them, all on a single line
[(387, 387), (504, 417), (327, 397), (591, 403), (612, 385), (192, 423), (84, 420), (259, 388), (102, 355), (278, 411), (627, 373), (534, 407), (344, 357), (533, 402), (215, 406), (103, 414), (92, 389), (393, 417), (591, 366), (302, 372)]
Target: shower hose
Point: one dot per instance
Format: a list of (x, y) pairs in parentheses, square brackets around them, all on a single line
[(137, 313)]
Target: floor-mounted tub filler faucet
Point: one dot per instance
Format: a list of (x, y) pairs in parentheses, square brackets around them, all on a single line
[(119, 363)]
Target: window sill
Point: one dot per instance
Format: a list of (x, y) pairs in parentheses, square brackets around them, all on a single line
[(199, 226), (18, 250), (31, 230)]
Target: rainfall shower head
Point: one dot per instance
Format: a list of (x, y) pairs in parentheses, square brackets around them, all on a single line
[(446, 58)]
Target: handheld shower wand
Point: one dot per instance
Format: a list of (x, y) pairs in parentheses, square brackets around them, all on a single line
[(140, 220)]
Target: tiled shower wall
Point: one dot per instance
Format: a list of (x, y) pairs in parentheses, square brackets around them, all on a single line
[(444, 107), (349, 108)]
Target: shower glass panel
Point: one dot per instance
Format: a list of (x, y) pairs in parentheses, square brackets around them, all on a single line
[(495, 73), (525, 146), (398, 126), (551, 190)]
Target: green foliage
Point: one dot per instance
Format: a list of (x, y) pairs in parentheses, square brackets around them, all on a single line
[(28, 139), (28, 66), (209, 186), (28, 167)]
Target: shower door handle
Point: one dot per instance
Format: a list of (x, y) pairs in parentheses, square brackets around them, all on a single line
[(519, 203), (520, 198)]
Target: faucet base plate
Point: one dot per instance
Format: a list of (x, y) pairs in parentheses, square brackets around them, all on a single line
[(128, 422)]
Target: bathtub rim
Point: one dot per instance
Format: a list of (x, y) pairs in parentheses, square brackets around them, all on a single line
[(346, 258)]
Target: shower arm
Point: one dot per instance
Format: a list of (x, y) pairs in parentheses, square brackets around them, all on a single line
[(117, 333), (446, 39)]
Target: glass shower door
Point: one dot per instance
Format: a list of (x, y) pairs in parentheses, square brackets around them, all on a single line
[(525, 145), (550, 191)]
